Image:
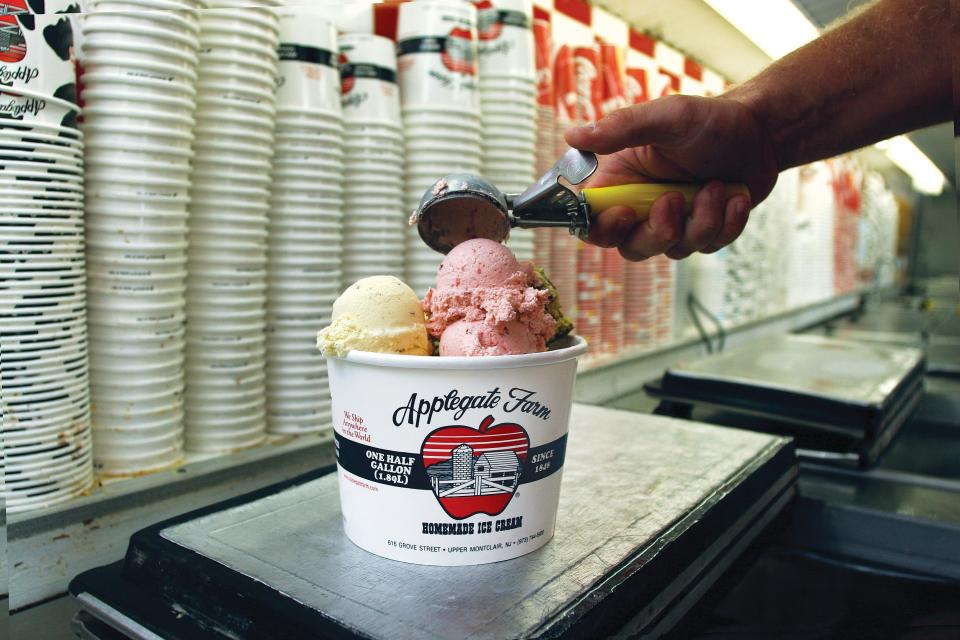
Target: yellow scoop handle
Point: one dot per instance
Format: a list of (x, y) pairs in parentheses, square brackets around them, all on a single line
[(640, 197)]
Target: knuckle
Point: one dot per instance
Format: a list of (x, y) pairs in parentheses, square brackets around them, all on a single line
[(631, 254)]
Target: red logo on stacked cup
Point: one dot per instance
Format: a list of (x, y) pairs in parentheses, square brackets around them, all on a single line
[(13, 46), (489, 26), (458, 54)]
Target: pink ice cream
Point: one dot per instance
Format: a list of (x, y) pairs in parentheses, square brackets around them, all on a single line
[(486, 303)]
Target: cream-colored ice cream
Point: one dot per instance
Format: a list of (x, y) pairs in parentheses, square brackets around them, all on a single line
[(379, 314)]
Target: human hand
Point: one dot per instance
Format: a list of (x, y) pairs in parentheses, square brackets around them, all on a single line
[(678, 139)]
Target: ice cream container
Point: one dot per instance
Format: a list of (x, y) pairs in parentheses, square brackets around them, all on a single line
[(505, 46), (11, 147), (378, 133), (224, 22), (113, 464), (182, 64), (455, 461), (217, 188), (440, 126), (437, 54), (40, 159), (143, 140), (122, 116), (181, 48), (185, 8), (368, 77), (309, 77), (38, 55), (127, 80), (243, 437), (177, 21)]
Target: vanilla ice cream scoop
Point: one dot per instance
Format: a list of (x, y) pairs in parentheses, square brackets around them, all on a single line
[(379, 314)]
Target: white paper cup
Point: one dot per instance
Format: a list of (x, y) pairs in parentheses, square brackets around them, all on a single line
[(368, 79), (519, 440), (431, 77), (38, 58)]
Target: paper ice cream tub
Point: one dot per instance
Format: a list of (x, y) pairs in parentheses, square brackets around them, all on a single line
[(437, 55), (368, 79), (506, 44), (453, 461), (38, 54)]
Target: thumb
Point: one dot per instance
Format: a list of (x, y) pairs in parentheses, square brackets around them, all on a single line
[(661, 121)]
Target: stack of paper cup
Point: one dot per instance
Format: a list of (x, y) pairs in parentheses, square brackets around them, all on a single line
[(640, 304), (44, 383), (305, 222), (226, 285), (546, 125), (508, 99), (563, 246), (139, 59), (611, 326), (374, 217), (436, 61)]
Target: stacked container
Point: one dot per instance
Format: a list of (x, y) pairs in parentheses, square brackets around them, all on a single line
[(226, 286), (563, 247), (305, 222), (374, 218), (139, 59), (546, 134), (44, 384), (591, 285), (508, 99), (436, 61), (613, 97)]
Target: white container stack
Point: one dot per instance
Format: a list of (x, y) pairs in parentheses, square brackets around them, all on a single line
[(227, 265), (140, 59), (306, 221), (436, 59), (374, 218), (44, 384), (508, 103)]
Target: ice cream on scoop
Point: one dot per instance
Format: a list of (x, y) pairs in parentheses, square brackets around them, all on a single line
[(379, 314), (487, 303)]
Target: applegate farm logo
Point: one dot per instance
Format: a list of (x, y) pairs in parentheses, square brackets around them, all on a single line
[(458, 52), (475, 471), (13, 44), (489, 26)]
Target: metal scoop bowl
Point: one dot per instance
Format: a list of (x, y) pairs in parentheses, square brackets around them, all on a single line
[(462, 206)]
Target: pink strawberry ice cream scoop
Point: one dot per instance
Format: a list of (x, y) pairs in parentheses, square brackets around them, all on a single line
[(492, 298), (477, 338)]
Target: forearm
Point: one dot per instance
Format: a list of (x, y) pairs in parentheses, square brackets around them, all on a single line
[(885, 72)]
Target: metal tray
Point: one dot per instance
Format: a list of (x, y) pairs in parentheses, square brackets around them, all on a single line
[(647, 523), (845, 387)]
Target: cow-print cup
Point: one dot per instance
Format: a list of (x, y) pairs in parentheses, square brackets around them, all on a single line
[(37, 54)]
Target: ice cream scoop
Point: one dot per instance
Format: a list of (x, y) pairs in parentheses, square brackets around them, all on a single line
[(379, 314), (488, 303), (463, 206)]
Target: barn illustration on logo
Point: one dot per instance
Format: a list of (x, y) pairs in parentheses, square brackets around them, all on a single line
[(475, 470), (13, 45)]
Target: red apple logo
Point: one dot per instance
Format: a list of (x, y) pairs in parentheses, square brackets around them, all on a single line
[(347, 79), (13, 46), (489, 26), (475, 470), (458, 54)]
